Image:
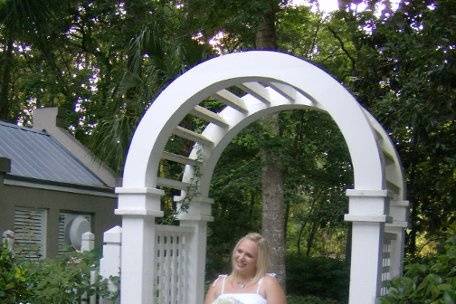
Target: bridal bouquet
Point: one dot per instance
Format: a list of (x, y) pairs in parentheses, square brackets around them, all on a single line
[(227, 301)]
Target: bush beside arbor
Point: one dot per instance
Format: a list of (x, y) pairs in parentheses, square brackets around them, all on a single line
[(64, 280), (432, 280)]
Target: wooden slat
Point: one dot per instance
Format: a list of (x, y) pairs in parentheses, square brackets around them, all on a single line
[(284, 90), (171, 183), (210, 116), (192, 136), (392, 186), (179, 159), (231, 100), (389, 236), (256, 90), (389, 158)]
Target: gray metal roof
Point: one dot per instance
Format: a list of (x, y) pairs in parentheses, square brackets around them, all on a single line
[(35, 154)]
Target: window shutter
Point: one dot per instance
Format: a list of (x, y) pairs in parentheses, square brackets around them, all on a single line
[(30, 232)]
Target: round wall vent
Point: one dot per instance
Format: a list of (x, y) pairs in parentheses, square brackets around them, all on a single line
[(77, 227)]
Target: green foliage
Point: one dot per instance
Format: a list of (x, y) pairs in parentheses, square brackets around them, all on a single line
[(317, 170), (317, 276), (404, 73), (433, 281), (64, 280), (100, 62), (14, 285), (309, 300)]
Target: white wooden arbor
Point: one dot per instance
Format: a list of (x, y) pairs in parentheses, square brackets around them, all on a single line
[(272, 82)]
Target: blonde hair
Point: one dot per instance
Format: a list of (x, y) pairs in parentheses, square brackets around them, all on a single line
[(262, 263)]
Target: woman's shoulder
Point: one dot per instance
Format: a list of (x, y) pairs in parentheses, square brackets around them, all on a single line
[(270, 279), (220, 278), (273, 291)]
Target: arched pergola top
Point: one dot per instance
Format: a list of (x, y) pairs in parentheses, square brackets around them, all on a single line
[(271, 80), (266, 82)]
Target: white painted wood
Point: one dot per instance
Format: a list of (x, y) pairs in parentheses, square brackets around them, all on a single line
[(393, 167), (210, 116), (231, 100), (396, 248), (389, 157), (284, 77), (180, 159), (189, 89), (256, 90), (138, 248), (192, 136), (367, 212), (365, 273), (139, 201), (171, 260), (285, 90), (171, 183), (110, 262), (196, 263), (87, 241)]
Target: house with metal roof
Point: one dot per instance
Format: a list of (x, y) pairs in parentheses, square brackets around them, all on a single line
[(50, 183)]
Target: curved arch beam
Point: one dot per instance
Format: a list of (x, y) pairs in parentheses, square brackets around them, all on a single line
[(203, 80)]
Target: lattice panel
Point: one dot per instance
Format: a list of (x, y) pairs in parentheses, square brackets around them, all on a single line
[(171, 264), (386, 262)]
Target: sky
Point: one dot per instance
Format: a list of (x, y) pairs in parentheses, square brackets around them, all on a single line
[(326, 6)]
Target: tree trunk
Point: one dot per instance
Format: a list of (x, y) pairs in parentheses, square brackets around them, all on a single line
[(298, 243), (273, 216), (311, 239)]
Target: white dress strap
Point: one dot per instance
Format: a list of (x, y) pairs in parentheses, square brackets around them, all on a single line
[(223, 277), (259, 285), (223, 284)]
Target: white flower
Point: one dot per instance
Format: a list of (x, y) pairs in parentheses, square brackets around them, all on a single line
[(227, 301)]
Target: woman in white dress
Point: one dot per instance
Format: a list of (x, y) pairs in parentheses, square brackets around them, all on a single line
[(248, 282)]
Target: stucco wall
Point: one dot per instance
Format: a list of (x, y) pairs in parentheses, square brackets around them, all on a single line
[(101, 208)]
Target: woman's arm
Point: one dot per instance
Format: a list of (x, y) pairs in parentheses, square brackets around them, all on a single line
[(273, 291)]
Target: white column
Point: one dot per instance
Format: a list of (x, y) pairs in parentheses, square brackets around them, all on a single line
[(367, 212), (197, 217), (138, 207), (110, 263), (87, 241)]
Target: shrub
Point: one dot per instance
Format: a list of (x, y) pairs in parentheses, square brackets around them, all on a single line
[(433, 281), (13, 278), (63, 280), (309, 300), (317, 276)]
